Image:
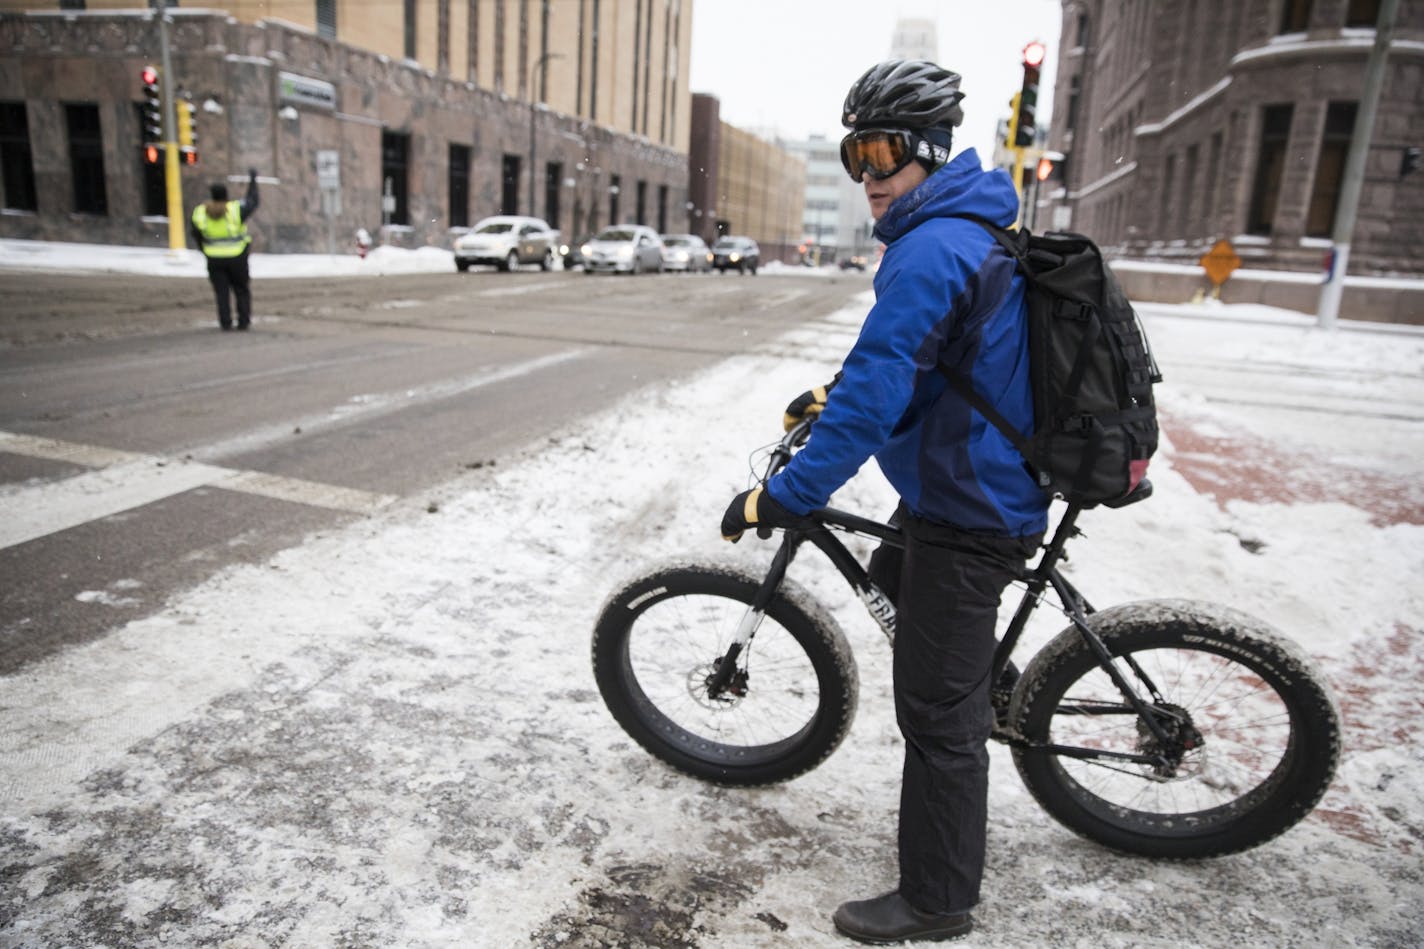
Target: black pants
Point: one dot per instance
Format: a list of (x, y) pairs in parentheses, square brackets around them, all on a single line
[(230, 274), (949, 587)]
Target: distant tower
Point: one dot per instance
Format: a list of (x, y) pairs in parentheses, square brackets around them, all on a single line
[(915, 39)]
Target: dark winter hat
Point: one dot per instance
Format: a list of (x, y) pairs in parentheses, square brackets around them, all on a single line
[(218, 192)]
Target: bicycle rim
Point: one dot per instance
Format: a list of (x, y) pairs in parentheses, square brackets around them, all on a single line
[(1245, 746), (671, 654)]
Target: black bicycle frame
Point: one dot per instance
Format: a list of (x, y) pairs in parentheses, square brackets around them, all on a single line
[(820, 530)]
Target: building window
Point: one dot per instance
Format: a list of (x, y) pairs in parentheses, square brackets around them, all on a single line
[(410, 13), (553, 178), (1362, 13), (662, 208), (1295, 16), (459, 186), (1075, 89), (326, 19), (1082, 29), (642, 209), (1330, 170), (86, 158), (615, 186), (1270, 165), (17, 166), (395, 174), (509, 185)]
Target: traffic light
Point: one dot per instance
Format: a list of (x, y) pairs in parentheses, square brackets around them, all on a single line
[(1409, 161), (152, 105), (1025, 127), (187, 131)]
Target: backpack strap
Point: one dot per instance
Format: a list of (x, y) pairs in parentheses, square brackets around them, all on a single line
[(961, 383)]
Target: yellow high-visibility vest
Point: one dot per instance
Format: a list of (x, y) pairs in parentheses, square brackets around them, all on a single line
[(225, 236)]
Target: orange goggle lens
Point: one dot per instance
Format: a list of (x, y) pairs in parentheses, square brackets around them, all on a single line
[(878, 153)]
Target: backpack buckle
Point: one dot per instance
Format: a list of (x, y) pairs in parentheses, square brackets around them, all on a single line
[(1076, 423)]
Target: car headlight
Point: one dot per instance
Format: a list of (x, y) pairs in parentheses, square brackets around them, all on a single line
[(563, 249), (734, 257), (625, 252), (586, 250), (680, 256)]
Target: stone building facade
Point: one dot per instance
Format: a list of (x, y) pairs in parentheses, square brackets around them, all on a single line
[(1187, 123), (418, 130)]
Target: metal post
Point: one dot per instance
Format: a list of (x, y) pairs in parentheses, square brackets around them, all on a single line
[(1334, 286), (533, 105), (173, 186)]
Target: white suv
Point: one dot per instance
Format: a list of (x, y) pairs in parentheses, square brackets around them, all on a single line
[(506, 241)]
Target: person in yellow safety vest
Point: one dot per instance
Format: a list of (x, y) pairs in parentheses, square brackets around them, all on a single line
[(220, 228)]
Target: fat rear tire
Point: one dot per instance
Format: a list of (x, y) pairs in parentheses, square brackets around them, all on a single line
[(1268, 730)]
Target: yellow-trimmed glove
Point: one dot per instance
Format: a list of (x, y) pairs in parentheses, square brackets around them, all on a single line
[(754, 508), (810, 402)]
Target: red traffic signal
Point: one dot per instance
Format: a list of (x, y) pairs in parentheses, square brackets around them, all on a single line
[(1033, 53), (149, 75)]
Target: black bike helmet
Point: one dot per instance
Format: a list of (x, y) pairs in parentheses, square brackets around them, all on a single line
[(904, 93)]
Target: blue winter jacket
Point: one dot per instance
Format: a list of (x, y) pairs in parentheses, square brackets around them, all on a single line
[(945, 291)]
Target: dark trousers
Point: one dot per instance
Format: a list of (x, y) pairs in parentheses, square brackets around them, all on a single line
[(949, 587), (229, 274)]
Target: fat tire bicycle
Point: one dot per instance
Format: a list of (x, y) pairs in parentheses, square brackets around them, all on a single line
[(1166, 728)]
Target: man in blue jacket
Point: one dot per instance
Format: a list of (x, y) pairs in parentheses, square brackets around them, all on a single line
[(971, 514)]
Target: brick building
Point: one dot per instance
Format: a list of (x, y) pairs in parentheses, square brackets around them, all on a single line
[(452, 110), (1186, 123)]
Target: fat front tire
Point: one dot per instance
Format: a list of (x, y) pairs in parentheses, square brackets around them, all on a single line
[(1252, 733), (511, 263), (658, 641), (547, 261)]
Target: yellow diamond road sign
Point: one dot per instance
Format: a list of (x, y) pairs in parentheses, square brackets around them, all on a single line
[(1219, 262)]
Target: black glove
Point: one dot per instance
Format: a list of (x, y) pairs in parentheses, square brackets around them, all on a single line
[(252, 174), (807, 403), (755, 508)]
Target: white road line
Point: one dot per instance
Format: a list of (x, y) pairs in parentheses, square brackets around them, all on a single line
[(369, 405), (126, 480)]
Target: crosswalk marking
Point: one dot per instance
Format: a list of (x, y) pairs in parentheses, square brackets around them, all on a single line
[(123, 480)]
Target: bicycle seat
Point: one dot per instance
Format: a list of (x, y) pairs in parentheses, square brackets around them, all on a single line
[(1142, 492)]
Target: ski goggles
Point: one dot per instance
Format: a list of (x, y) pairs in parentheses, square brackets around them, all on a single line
[(881, 153)]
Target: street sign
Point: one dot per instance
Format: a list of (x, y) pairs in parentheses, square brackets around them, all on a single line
[(328, 169), (1220, 262)]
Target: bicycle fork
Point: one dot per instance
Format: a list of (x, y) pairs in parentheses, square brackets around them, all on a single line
[(725, 677)]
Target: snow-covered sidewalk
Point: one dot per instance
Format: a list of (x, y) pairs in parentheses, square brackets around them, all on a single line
[(391, 736)]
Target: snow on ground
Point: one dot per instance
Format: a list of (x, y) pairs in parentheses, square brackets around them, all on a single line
[(391, 736)]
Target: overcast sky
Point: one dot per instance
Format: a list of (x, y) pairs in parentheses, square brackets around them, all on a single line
[(786, 65)]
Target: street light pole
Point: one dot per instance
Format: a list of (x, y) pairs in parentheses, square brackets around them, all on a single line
[(533, 106), (1352, 181)]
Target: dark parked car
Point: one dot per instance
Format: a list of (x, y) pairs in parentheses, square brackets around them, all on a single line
[(736, 253), (572, 252)]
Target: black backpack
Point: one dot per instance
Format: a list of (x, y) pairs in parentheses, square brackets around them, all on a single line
[(1092, 372)]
